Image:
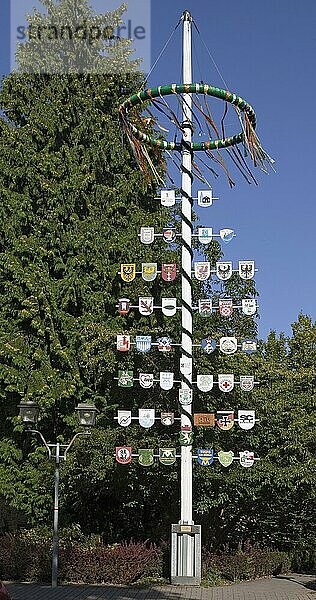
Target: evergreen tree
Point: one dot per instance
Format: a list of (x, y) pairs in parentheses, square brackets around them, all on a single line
[(73, 203)]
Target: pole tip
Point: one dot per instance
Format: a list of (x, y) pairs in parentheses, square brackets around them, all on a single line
[(186, 16)]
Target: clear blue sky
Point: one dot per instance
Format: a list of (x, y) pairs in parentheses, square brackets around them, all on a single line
[(266, 53)]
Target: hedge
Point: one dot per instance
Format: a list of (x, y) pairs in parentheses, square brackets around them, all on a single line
[(26, 556)]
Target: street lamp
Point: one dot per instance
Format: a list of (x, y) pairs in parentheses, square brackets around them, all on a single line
[(29, 412)]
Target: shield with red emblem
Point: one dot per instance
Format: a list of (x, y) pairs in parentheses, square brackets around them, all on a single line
[(168, 271), (226, 307)]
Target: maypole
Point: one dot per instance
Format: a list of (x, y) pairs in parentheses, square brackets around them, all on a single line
[(148, 146), (186, 284)]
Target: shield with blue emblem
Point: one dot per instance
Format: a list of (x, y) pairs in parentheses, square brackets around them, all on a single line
[(208, 345), (143, 343), (249, 345), (226, 235), (205, 456)]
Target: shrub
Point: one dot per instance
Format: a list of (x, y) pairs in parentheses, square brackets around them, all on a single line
[(248, 564), (26, 556)]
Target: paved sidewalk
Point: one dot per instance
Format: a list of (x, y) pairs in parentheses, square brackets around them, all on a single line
[(283, 587)]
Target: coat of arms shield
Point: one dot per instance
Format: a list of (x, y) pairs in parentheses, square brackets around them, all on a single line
[(225, 458), (246, 382), (168, 271), (146, 417), (228, 345), (205, 456), (169, 306), (146, 305), (246, 458), (143, 343), (208, 345), (202, 270), (186, 436), (166, 380), (124, 305), (147, 235), (167, 456), (125, 378), (226, 235), (205, 307), (167, 197), (224, 270), (226, 382), (146, 380), (167, 418), (246, 419), (225, 307), (205, 198), (246, 269), (205, 382), (205, 234), (149, 271), (225, 419), (145, 456), (124, 417), (123, 343), (169, 234), (185, 397), (249, 345), (248, 306), (123, 454), (186, 365), (128, 271), (164, 344)]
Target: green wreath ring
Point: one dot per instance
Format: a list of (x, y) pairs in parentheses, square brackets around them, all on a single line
[(194, 88)]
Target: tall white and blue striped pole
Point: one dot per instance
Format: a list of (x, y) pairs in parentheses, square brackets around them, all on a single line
[(186, 339)]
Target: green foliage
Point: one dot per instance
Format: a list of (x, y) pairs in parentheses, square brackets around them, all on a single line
[(248, 564), (72, 205), (27, 556)]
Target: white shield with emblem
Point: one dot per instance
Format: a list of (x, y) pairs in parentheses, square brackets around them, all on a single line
[(205, 234), (205, 382), (246, 419), (169, 306), (146, 417), (167, 197), (246, 458), (224, 270), (246, 269), (246, 382), (248, 306), (202, 270), (147, 235), (228, 345), (185, 397), (143, 343), (205, 198), (124, 417), (185, 365), (205, 307), (226, 382), (146, 305), (226, 307), (226, 235), (166, 380), (123, 343), (146, 380)]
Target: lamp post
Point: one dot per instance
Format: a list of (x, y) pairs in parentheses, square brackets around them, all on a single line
[(29, 412)]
